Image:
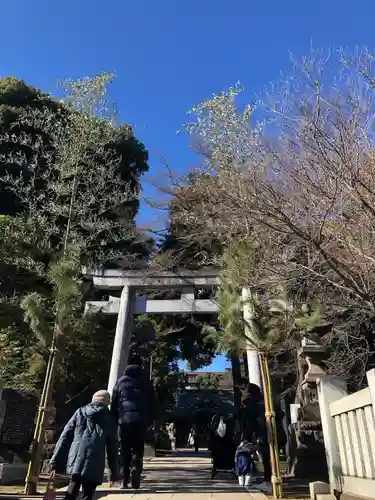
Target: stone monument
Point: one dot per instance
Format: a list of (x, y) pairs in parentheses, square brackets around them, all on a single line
[(17, 413), (307, 454)]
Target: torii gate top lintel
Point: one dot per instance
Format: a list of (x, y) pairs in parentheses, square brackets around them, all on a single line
[(116, 279)]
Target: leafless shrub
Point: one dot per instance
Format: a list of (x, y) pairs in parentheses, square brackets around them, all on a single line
[(299, 183), (304, 171)]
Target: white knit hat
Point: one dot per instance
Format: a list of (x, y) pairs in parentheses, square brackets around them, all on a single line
[(102, 397)]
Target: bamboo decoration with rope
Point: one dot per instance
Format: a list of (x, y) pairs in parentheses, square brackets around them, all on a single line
[(32, 476), (271, 426)]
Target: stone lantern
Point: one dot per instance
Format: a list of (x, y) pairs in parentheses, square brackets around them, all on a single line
[(307, 454)]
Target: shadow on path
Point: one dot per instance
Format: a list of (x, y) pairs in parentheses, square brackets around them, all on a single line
[(184, 472)]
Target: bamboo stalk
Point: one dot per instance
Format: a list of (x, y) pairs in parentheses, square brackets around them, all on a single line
[(30, 483), (32, 477), (271, 426), (274, 430)]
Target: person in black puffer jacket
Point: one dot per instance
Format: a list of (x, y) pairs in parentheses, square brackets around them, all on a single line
[(133, 407)]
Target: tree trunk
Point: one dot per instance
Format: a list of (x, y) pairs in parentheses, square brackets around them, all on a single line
[(245, 365), (236, 374)]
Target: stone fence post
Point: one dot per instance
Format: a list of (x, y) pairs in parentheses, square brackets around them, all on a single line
[(371, 384), (331, 389)]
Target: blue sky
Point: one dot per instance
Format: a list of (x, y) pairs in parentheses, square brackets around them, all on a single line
[(170, 55)]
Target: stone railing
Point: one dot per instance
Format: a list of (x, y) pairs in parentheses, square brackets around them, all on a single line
[(348, 423)]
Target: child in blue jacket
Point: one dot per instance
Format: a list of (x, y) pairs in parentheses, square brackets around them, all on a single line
[(244, 463)]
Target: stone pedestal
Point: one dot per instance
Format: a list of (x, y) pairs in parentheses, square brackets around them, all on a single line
[(12, 474), (150, 444), (149, 451), (307, 453), (3, 407)]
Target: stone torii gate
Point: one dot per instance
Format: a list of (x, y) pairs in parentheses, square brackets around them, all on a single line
[(126, 282)]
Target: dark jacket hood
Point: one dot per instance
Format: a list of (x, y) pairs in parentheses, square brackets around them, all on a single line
[(93, 409), (133, 371)]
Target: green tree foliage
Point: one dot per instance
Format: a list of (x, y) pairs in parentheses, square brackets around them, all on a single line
[(163, 355), (208, 381), (22, 143), (70, 183), (38, 132), (179, 338), (185, 248), (276, 323), (183, 245), (19, 363), (181, 248)]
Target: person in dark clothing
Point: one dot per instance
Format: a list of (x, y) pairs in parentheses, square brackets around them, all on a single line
[(195, 432), (80, 450), (133, 408), (222, 443), (254, 426)]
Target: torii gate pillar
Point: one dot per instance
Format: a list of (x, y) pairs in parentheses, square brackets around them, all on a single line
[(121, 343), (251, 351)]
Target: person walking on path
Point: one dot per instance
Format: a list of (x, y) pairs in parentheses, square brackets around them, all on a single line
[(191, 438), (171, 429), (133, 407), (80, 450), (244, 463), (195, 437)]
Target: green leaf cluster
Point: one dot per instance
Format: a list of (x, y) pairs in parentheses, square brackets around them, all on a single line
[(273, 317)]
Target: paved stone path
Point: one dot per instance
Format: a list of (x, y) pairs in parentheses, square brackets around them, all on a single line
[(182, 476)]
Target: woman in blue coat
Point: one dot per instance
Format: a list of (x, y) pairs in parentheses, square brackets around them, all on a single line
[(81, 447)]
